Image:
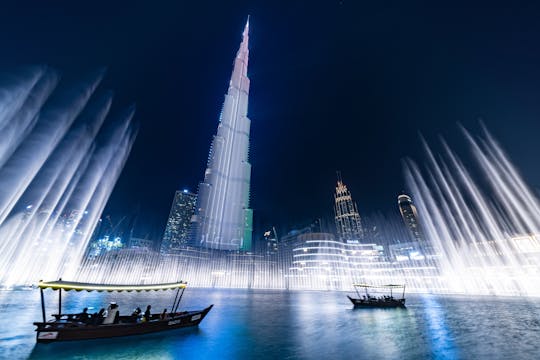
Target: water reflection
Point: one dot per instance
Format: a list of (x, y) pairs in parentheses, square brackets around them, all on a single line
[(440, 340)]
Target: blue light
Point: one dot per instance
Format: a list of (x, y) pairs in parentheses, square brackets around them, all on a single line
[(185, 191)]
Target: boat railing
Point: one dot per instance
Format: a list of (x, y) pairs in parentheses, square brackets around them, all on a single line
[(74, 320)]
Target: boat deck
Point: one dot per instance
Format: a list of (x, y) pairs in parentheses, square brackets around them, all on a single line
[(67, 327)]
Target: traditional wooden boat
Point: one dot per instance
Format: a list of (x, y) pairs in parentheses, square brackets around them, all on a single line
[(383, 301), (76, 327)]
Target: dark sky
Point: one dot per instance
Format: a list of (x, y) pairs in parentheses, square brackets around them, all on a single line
[(336, 85)]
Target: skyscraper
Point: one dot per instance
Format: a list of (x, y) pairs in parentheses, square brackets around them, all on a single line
[(177, 232), (224, 219), (348, 222), (410, 216)]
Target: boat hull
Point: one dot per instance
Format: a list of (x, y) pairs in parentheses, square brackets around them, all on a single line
[(375, 303), (66, 331)]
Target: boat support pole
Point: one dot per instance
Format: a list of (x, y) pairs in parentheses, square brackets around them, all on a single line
[(42, 305), (180, 299), (174, 302), (59, 303)]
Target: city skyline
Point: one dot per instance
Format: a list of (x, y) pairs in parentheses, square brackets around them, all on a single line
[(225, 180), (351, 95)]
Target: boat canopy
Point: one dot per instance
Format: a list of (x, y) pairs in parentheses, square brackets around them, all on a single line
[(389, 286), (78, 286)]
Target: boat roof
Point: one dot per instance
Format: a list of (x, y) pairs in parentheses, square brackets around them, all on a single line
[(389, 286), (79, 286)]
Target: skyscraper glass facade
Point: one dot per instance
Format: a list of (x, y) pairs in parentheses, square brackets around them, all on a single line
[(178, 229), (410, 216)]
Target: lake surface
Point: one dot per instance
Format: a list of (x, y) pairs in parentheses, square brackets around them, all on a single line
[(288, 325)]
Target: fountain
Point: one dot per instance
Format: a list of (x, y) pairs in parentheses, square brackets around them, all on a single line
[(58, 165), (483, 226), (62, 155)]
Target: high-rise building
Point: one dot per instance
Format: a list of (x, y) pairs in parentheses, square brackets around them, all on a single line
[(271, 239), (224, 219), (348, 222), (410, 216), (178, 229)]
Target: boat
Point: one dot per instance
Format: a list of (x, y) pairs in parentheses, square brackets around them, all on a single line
[(63, 327), (384, 301)]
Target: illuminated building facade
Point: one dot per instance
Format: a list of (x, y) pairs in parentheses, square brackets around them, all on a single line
[(348, 222), (178, 229), (223, 218), (320, 262), (410, 216)]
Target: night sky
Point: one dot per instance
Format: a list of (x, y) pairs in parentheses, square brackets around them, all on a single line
[(335, 85)]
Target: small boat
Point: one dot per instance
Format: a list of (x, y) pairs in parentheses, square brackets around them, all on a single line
[(384, 301), (74, 327)]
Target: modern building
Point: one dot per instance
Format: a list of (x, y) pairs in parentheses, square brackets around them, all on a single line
[(348, 222), (410, 216), (178, 230), (141, 243), (104, 244), (223, 218), (320, 262)]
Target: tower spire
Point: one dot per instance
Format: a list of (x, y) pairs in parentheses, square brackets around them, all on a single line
[(239, 77), (246, 28)]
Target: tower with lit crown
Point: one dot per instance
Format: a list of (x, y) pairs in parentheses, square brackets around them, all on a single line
[(224, 219), (348, 222)]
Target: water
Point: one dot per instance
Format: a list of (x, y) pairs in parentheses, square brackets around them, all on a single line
[(290, 325)]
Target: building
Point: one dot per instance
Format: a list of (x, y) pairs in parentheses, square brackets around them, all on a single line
[(141, 243), (223, 218), (105, 244), (348, 222), (178, 229), (271, 240), (320, 262), (410, 216)]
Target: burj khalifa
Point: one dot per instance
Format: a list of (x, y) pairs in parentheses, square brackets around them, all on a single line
[(223, 219)]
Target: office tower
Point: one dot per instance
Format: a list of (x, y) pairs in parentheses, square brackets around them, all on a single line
[(178, 229), (410, 216), (348, 222)]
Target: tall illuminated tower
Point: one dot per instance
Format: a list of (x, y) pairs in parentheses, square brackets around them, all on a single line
[(224, 219), (348, 222)]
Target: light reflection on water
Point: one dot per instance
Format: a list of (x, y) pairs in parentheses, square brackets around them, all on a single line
[(442, 344), (290, 325)]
